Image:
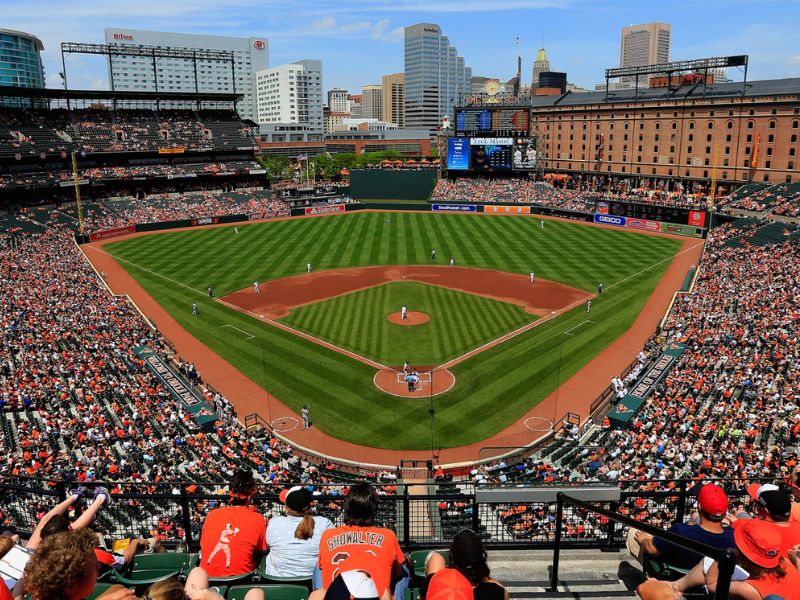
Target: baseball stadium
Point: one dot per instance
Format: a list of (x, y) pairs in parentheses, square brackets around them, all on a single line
[(557, 350)]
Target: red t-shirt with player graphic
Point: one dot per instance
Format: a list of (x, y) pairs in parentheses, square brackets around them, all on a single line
[(230, 540), (373, 549)]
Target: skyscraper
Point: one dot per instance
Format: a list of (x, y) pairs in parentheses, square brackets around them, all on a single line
[(434, 76), (291, 94), (178, 75), (645, 44), (393, 99), (20, 59), (337, 100), (540, 65), (372, 102)]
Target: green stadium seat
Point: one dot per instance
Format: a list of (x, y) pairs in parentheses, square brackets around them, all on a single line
[(271, 592), (101, 588), (149, 568), (233, 579), (418, 559)]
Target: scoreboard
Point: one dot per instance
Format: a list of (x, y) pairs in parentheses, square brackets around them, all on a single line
[(653, 212), (494, 120)]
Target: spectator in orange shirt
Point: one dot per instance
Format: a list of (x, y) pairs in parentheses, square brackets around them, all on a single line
[(360, 545), (234, 537)]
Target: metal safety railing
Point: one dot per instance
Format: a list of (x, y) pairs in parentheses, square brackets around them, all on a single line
[(724, 557)]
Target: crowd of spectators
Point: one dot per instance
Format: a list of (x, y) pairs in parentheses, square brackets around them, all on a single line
[(565, 197), (35, 132), (730, 407), (77, 404), (53, 177)]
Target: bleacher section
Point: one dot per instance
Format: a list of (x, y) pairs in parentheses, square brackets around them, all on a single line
[(101, 130)]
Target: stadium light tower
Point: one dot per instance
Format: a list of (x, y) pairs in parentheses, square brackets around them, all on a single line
[(76, 182)]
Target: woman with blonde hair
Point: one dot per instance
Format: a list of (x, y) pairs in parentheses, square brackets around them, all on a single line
[(293, 539)]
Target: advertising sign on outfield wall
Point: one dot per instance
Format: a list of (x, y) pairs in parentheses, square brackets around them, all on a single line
[(681, 229), (609, 220), (111, 233), (643, 224), (324, 210), (454, 208), (507, 209)]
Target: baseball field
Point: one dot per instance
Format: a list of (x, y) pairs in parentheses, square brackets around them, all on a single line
[(487, 296)]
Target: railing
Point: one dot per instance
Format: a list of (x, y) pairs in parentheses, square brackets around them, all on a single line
[(725, 557), (175, 511)]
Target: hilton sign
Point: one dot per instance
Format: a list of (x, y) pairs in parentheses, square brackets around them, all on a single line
[(123, 36)]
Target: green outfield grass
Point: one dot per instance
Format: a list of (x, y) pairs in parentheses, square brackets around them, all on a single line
[(459, 322), (493, 389)]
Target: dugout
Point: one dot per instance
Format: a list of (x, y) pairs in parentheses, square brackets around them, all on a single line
[(380, 184)]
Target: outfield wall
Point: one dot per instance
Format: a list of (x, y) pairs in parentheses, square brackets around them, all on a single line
[(378, 184), (444, 207)]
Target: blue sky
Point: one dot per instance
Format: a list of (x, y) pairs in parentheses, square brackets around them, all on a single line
[(360, 40)]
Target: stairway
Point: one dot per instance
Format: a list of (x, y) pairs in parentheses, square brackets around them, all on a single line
[(592, 574)]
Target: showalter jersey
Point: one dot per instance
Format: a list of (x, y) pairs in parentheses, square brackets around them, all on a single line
[(373, 549)]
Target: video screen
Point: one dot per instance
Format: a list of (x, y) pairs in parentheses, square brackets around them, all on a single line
[(458, 153), (490, 154), (525, 155)]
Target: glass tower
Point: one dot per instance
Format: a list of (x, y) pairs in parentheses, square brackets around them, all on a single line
[(20, 59), (435, 75)]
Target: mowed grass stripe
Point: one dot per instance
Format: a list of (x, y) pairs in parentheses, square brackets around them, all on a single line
[(493, 388)]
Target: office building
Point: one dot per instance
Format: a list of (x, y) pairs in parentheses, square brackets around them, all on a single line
[(355, 104), (291, 95), (333, 119), (337, 100), (393, 98), (553, 80), (645, 44), (435, 76), (540, 65), (135, 73), (372, 102), (20, 59), (687, 134)]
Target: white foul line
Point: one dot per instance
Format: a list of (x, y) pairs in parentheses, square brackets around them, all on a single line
[(251, 336), (567, 332), (677, 254), (130, 262)]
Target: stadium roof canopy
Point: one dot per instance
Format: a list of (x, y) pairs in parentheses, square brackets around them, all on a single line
[(7, 91), (767, 87)]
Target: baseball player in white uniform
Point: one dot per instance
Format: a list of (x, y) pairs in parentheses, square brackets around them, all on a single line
[(256, 287), (236, 230), (194, 309), (403, 312), (452, 261), (533, 277), (588, 306), (308, 267)]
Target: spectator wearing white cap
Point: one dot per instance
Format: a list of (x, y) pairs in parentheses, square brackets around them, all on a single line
[(293, 539), (774, 505)]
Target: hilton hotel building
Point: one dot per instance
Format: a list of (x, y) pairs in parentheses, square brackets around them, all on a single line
[(131, 73)]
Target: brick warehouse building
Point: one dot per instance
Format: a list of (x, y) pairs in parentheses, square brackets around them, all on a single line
[(678, 132)]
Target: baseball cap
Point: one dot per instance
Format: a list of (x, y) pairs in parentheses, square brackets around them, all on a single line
[(756, 489), (759, 541), (297, 498), (713, 500), (449, 584), (351, 585), (776, 501)]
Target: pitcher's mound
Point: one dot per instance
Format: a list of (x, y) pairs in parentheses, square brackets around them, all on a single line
[(392, 381), (412, 318)]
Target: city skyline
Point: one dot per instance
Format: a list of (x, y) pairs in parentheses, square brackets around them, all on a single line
[(361, 42)]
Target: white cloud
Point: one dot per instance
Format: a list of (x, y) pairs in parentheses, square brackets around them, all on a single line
[(327, 22)]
